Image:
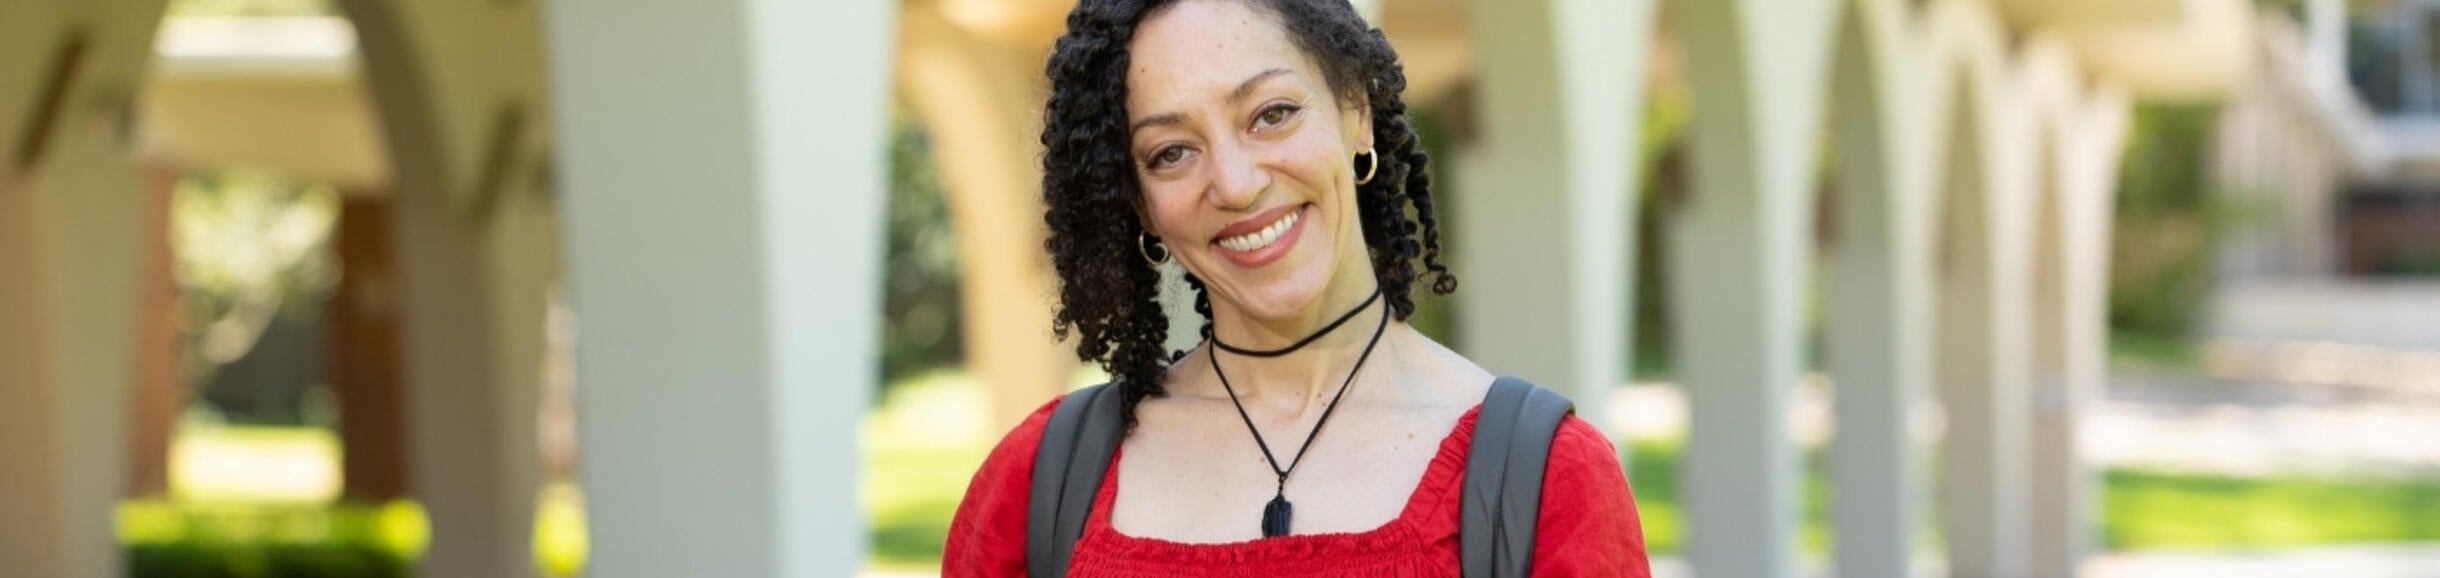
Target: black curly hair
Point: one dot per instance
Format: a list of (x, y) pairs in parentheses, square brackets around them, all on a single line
[(1108, 296)]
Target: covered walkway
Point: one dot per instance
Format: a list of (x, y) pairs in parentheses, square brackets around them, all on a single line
[(706, 181)]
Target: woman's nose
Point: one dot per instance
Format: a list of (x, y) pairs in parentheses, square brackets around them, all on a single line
[(1238, 176)]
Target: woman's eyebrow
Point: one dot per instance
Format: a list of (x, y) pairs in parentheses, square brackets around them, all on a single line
[(1234, 96), (1247, 87), (1167, 119)]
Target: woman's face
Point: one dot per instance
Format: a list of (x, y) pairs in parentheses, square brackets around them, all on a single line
[(1243, 156)]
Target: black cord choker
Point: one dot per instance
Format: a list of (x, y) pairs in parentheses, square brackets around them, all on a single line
[(1275, 515), (1301, 343)]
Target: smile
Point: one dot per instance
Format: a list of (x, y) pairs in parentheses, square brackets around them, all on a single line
[(1257, 240)]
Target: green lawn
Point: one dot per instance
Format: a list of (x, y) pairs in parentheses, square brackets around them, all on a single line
[(2152, 510)]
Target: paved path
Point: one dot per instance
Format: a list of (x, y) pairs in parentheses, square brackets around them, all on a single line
[(2399, 314), (2179, 423)]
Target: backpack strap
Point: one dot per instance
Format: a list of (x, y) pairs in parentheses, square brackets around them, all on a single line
[(1076, 445), (1503, 483)]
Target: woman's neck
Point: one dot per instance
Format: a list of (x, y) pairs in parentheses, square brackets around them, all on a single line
[(1304, 379)]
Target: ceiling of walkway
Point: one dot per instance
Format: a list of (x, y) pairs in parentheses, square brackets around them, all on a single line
[(223, 87)]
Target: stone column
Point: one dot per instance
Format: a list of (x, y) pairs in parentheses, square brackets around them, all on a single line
[(1741, 246), (722, 170), (1545, 209)]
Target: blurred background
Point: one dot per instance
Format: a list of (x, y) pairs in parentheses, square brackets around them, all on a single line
[(1971, 288)]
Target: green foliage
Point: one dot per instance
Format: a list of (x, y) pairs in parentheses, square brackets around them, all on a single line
[(1436, 315), (923, 319), (1660, 186), (2423, 263), (198, 560), (232, 540), (2171, 217), (253, 265)]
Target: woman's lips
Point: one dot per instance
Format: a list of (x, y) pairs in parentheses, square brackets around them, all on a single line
[(1256, 222), (1266, 254)]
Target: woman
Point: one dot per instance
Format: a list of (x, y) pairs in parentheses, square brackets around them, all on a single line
[(1263, 146)]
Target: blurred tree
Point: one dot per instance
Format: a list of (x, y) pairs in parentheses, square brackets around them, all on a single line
[(2171, 216), (1660, 187), (253, 263), (923, 320), (1436, 315)]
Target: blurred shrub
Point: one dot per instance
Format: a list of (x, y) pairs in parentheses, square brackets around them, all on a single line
[(207, 560), (268, 540)]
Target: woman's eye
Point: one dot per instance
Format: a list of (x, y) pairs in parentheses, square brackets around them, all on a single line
[(1274, 116), (1166, 156)]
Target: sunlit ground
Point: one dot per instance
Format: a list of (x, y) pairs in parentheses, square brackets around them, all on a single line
[(262, 497)]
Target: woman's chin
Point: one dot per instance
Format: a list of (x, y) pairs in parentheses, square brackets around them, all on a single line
[(1278, 299)]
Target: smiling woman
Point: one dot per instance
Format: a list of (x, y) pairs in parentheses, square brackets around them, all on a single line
[(1263, 147)]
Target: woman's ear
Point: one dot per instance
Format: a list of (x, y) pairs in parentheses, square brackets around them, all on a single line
[(1143, 218), (1356, 126)]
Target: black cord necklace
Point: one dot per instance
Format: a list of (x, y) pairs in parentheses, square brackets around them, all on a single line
[(1275, 515), (1300, 344)]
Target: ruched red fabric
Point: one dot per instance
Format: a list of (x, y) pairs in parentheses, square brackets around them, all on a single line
[(1587, 526)]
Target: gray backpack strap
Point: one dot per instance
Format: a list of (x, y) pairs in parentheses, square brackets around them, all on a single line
[(1503, 484), (1076, 446)]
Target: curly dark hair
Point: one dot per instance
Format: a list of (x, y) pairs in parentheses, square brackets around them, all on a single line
[(1108, 296)]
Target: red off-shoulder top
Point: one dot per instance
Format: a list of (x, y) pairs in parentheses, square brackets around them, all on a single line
[(1587, 525)]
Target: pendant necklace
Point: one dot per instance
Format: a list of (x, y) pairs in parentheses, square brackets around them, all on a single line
[(1275, 515)]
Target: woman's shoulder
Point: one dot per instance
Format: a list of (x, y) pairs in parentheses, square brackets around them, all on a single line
[(1578, 444), (1588, 524), (1581, 459)]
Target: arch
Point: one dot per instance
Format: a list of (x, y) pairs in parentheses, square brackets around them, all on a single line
[(2012, 102), (1946, 100), (1557, 90), (2071, 333), (466, 338), (1876, 341), (473, 279), (979, 99), (1739, 251)]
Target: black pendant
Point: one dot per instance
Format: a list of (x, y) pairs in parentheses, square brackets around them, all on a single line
[(1275, 518)]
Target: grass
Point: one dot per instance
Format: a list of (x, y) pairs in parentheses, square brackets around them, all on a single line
[(2146, 510), (2156, 353), (920, 449)]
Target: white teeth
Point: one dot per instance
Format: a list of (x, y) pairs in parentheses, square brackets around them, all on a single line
[(1263, 238)]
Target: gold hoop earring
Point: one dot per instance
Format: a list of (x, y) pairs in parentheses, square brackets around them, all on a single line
[(1143, 246), (1372, 164)]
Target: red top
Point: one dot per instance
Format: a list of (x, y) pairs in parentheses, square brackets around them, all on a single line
[(1587, 524)]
